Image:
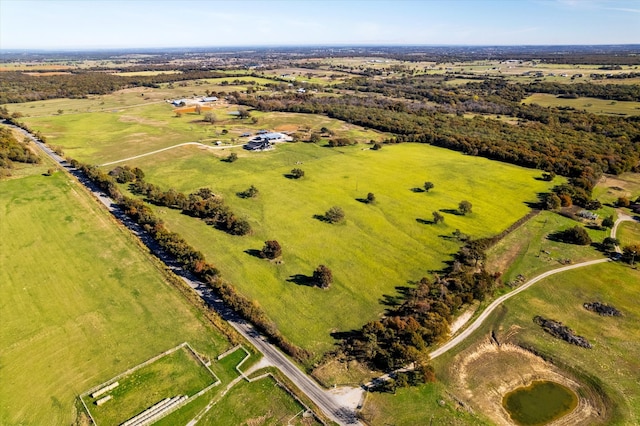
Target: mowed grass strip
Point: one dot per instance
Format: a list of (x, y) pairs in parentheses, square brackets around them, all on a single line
[(80, 303), (379, 246)]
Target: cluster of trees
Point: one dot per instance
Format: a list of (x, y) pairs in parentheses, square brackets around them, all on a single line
[(618, 92), (203, 204), (191, 259), (576, 235), (13, 150), (423, 316), (575, 144), (16, 86)]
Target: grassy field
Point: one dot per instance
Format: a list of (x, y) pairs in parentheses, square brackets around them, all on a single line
[(80, 302), (614, 360), (429, 404), (611, 366), (593, 105), (380, 246), (112, 133), (262, 402), (610, 188), (629, 233), (178, 373), (528, 250)]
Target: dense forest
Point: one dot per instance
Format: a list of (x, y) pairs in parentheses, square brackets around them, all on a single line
[(16, 86), (570, 143)]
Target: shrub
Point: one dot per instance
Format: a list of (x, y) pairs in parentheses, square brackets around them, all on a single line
[(334, 215), (297, 173)]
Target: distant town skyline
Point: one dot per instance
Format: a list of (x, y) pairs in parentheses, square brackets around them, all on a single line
[(88, 24)]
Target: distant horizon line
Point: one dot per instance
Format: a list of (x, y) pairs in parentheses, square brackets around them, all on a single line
[(300, 46)]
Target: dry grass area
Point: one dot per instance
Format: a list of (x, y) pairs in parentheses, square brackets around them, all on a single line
[(484, 373)]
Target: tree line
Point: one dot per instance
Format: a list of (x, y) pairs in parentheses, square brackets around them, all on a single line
[(12, 150), (189, 258), (422, 316), (579, 145)]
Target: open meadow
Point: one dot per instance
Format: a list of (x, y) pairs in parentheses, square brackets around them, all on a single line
[(379, 247), (114, 133), (592, 105), (81, 303), (475, 375)]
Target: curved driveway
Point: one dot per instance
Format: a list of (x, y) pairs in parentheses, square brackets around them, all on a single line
[(622, 217)]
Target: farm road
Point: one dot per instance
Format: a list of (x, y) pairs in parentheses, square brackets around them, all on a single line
[(329, 405), (622, 217), (168, 148)]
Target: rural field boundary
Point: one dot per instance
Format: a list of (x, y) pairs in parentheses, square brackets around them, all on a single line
[(178, 403)]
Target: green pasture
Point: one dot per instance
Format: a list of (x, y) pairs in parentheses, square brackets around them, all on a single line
[(178, 373), (614, 361), (80, 302), (610, 366), (593, 105), (99, 137), (429, 404), (262, 402), (379, 247), (528, 251), (629, 233)]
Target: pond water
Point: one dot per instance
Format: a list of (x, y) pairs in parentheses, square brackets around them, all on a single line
[(539, 403)]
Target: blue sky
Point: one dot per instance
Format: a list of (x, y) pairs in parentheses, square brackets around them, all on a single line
[(78, 24)]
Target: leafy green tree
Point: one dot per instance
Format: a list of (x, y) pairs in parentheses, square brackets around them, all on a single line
[(608, 222), (322, 276), (271, 250), (610, 243), (371, 198), (232, 157), (297, 173), (428, 186), (334, 215), (464, 207), (552, 202), (576, 235), (631, 253), (437, 217), (623, 202)]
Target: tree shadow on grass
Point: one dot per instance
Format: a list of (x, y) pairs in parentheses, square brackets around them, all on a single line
[(321, 218), (417, 190), (452, 211), (425, 221), (362, 200), (254, 253), (301, 279)]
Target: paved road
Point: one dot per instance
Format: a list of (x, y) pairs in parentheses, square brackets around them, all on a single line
[(622, 217), (324, 400)]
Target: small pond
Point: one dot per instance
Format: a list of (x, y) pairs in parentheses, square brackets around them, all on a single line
[(539, 403)]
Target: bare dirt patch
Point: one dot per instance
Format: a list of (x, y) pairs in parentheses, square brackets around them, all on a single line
[(286, 128), (483, 374)]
